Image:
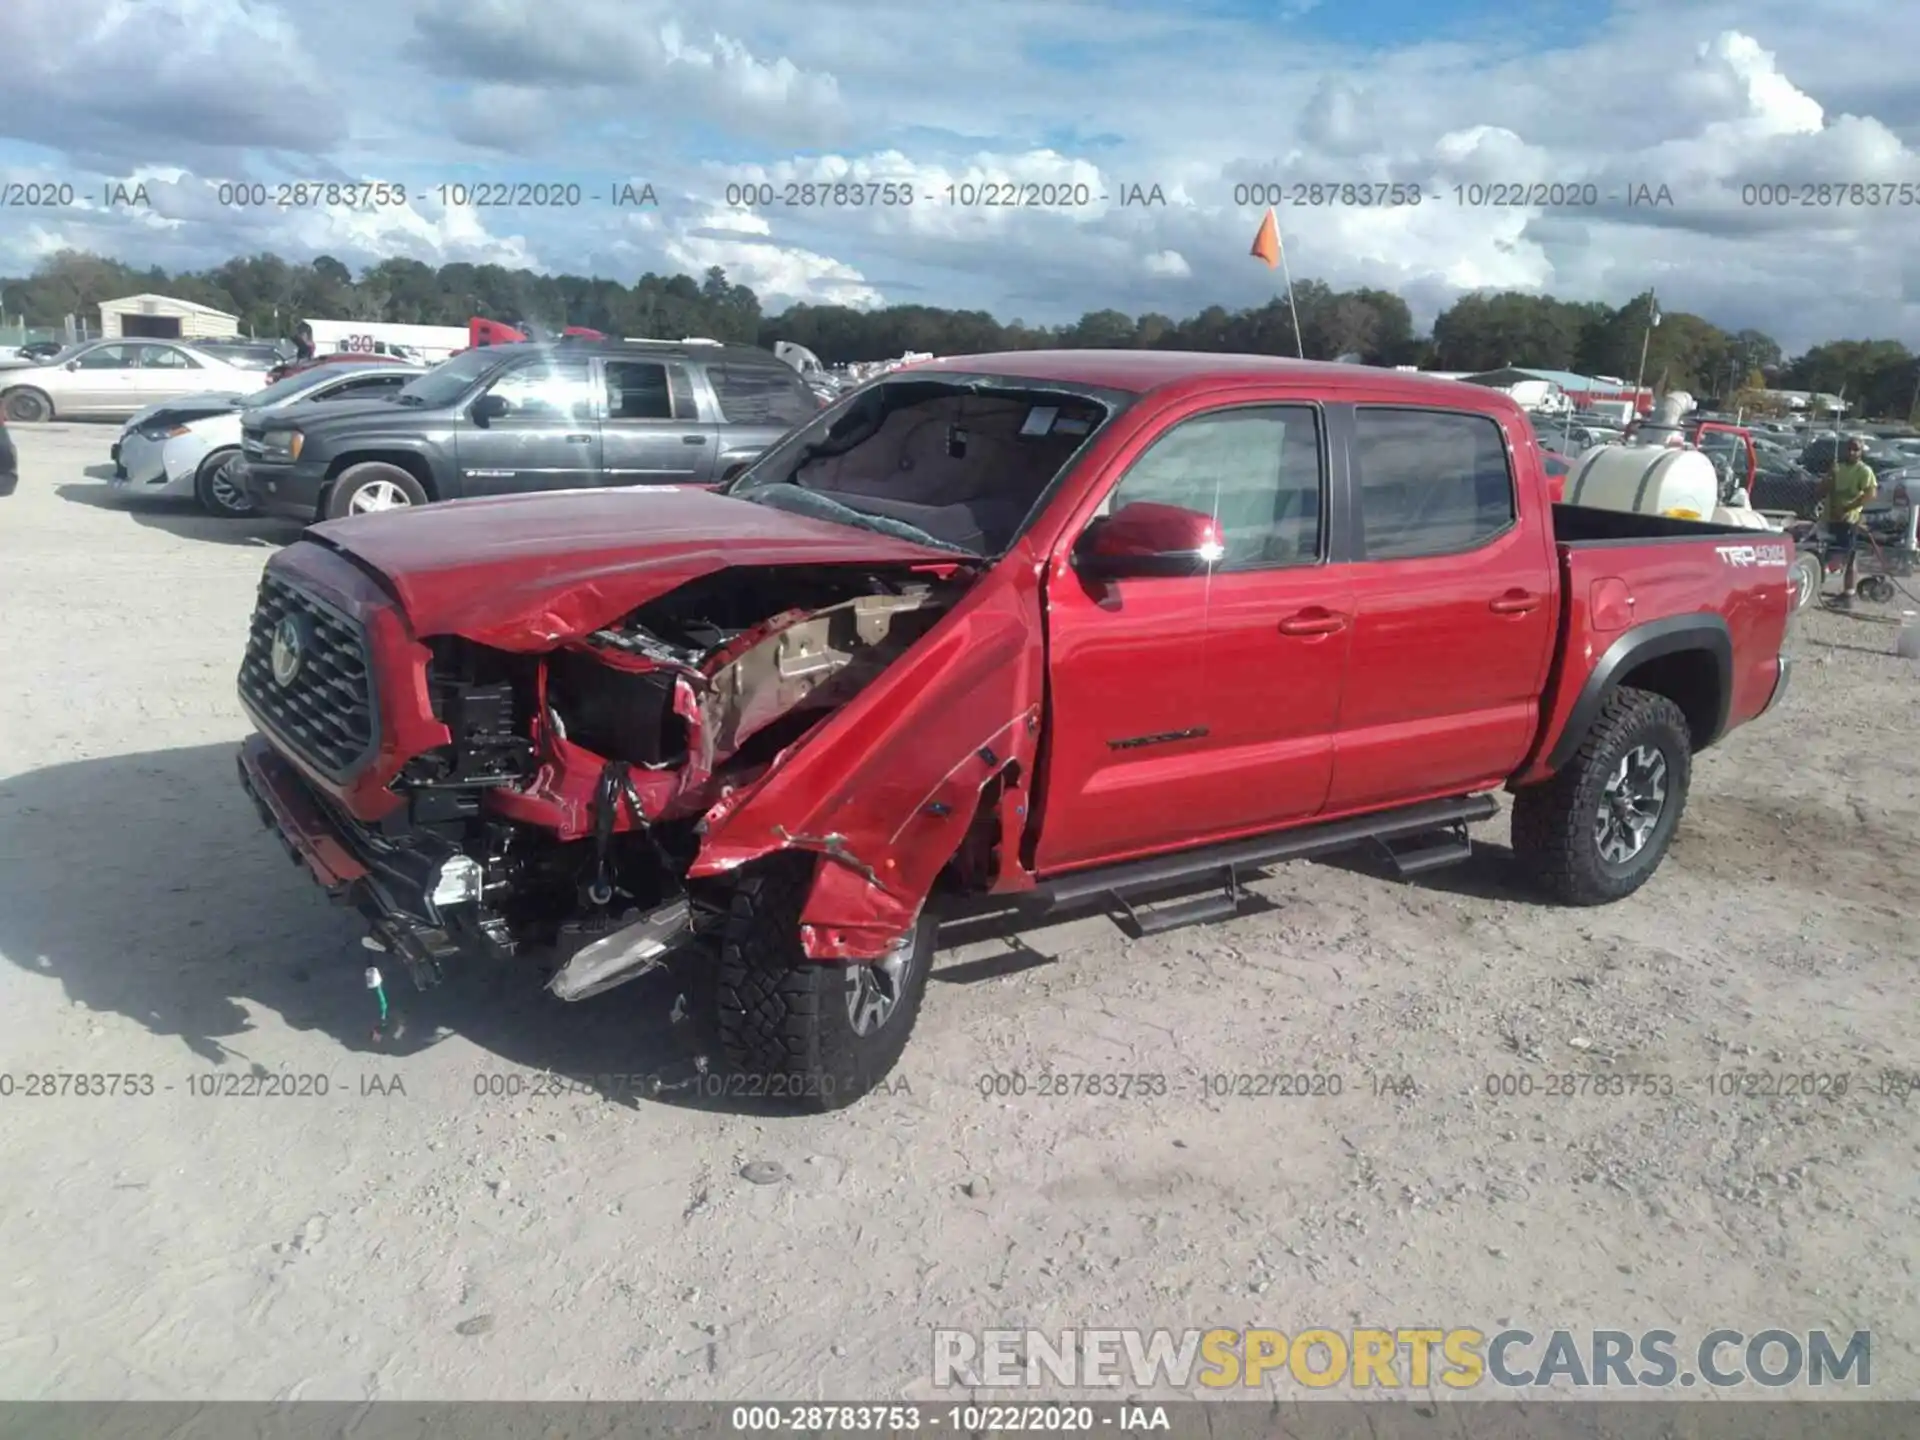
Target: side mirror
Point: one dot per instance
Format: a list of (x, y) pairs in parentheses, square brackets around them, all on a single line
[(489, 407), (71, 365), (1147, 539)]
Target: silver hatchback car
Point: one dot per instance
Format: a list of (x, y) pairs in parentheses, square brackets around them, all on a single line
[(111, 379)]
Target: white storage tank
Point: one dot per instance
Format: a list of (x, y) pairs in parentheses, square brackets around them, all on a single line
[(1645, 480)]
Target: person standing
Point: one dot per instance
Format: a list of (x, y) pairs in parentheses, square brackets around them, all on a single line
[(1848, 487), (303, 341)]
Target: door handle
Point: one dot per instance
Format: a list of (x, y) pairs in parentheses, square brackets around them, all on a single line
[(579, 439), (1516, 602), (693, 439), (1313, 622)]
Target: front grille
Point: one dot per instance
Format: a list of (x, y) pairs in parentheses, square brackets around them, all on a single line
[(326, 711)]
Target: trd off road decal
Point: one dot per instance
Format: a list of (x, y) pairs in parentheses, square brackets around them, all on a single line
[(1742, 557)]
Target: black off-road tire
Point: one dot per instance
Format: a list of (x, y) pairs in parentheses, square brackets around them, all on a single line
[(784, 1019), (1554, 823)]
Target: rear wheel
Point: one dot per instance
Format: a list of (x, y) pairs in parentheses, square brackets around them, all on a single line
[(1806, 577), (28, 407), (216, 487), (1599, 828), (373, 486), (819, 1035)]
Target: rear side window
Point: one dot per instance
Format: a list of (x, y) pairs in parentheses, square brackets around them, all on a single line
[(762, 395), (1430, 482), (648, 390)]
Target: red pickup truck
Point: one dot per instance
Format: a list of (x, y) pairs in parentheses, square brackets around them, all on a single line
[(1054, 627)]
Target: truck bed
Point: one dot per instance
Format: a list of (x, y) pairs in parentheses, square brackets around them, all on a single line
[(1583, 525), (1623, 577)]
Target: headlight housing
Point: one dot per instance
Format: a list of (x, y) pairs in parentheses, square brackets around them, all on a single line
[(282, 444)]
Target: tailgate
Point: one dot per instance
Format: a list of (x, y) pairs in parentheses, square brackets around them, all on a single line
[(1624, 601)]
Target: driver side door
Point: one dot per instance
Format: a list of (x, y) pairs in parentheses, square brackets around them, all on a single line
[(1196, 707), (547, 436), (98, 380)]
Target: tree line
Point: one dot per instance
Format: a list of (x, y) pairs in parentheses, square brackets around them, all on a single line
[(1878, 378)]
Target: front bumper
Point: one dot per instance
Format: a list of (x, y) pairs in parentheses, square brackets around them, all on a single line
[(157, 467), (281, 488), (391, 884)]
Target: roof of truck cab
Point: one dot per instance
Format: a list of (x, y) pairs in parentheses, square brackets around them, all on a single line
[(1138, 372)]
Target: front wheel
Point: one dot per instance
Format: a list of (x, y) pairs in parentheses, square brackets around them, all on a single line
[(217, 489), (370, 487), (818, 1035), (1597, 830)]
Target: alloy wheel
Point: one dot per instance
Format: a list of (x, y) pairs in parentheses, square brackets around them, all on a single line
[(1631, 805), (226, 493), (874, 990), (377, 495)]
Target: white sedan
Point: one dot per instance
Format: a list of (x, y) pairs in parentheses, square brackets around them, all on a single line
[(187, 447)]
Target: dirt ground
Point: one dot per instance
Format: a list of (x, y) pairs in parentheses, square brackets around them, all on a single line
[(410, 1235)]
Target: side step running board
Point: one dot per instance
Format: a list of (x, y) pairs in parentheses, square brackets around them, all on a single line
[(1159, 919), (1163, 871), (1443, 847)]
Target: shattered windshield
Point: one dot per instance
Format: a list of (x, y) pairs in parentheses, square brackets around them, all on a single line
[(959, 464)]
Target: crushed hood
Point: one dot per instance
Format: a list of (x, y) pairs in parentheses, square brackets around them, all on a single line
[(524, 572)]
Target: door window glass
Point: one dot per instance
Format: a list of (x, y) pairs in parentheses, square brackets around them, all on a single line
[(1429, 482), (1257, 471), (108, 357), (545, 391), (638, 390)]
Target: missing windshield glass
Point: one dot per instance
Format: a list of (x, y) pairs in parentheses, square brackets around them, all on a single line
[(960, 465)]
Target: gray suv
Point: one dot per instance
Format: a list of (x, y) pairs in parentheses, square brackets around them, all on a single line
[(508, 418)]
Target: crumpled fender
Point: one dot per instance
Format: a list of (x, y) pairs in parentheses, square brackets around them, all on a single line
[(886, 789)]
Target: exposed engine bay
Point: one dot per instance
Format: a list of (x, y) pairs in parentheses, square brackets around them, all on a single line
[(577, 781)]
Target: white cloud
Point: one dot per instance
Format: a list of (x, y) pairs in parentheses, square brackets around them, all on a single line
[(1703, 99), (783, 274), (637, 52)]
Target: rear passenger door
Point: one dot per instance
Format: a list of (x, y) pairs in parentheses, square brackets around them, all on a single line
[(757, 405), (654, 433), (1452, 628)]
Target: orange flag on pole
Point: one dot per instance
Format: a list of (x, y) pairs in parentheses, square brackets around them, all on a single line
[(1266, 244)]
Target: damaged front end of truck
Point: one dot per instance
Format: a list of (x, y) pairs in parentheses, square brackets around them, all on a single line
[(500, 729), (568, 813)]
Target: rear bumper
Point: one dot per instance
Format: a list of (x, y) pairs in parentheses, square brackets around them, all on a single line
[(1779, 684)]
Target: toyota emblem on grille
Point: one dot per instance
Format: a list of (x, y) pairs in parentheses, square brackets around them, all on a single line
[(289, 650)]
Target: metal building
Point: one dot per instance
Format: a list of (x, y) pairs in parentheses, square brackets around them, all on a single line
[(161, 317)]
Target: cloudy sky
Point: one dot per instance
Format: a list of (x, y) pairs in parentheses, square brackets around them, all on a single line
[(1730, 107)]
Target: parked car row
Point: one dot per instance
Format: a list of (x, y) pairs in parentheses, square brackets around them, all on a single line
[(190, 447), (501, 419)]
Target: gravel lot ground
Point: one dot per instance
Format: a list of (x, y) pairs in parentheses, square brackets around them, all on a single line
[(407, 1237)]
